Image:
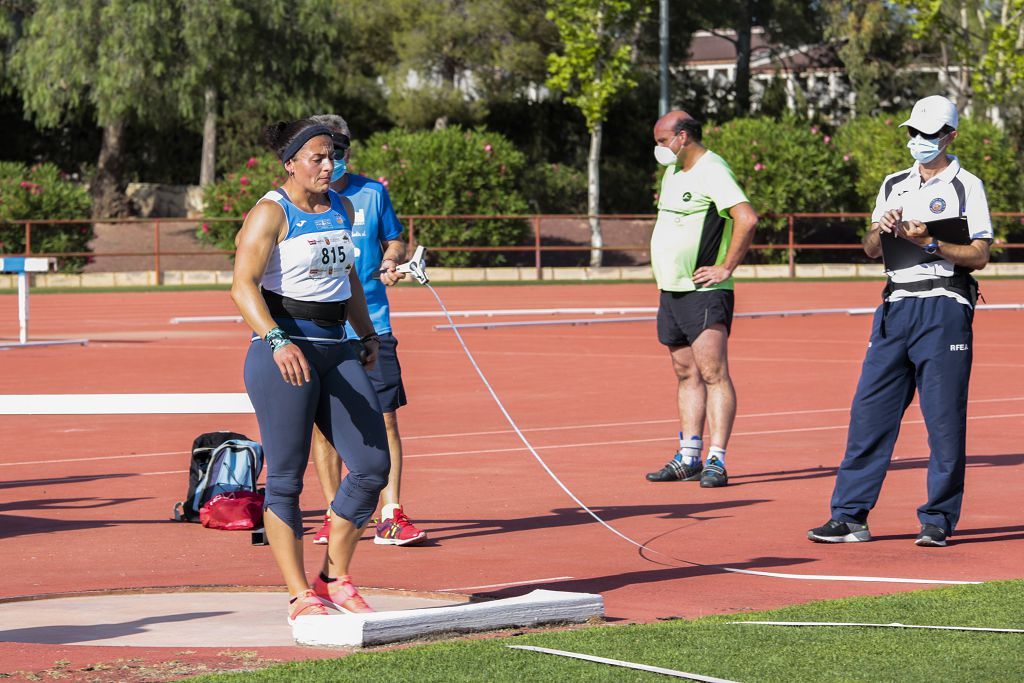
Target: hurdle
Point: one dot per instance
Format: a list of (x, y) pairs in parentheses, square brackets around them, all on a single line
[(22, 266)]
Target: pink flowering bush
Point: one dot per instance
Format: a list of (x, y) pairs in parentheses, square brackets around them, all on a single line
[(235, 194), (783, 166), (450, 172), (43, 192)]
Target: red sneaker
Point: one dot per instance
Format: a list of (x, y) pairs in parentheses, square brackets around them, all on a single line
[(306, 605), (320, 538), (398, 531), (341, 595)]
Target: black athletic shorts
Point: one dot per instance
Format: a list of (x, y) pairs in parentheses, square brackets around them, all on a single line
[(386, 376), (682, 316)]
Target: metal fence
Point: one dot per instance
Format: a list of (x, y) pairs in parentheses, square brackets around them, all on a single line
[(548, 234)]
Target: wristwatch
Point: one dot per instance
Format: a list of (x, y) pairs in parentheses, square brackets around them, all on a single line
[(932, 247)]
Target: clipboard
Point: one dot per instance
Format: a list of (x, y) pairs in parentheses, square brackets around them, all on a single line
[(900, 253)]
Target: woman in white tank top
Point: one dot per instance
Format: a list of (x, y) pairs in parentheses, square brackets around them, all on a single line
[(293, 281)]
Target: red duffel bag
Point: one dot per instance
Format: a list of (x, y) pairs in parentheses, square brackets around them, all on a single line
[(233, 511)]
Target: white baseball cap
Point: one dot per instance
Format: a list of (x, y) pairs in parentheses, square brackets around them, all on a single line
[(931, 113)]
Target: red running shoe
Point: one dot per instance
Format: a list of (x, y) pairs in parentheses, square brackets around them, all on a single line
[(306, 605), (341, 595), (320, 538), (398, 531)]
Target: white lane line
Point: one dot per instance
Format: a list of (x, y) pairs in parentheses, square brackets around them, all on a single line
[(503, 585), (619, 442), (826, 577), (124, 404), (98, 457), (600, 425), (626, 442)]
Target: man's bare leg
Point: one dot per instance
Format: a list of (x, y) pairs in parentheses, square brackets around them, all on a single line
[(710, 353)]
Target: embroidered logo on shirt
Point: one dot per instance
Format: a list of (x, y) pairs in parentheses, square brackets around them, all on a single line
[(687, 196), (937, 205)]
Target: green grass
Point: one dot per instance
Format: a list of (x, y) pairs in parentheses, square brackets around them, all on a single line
[(713, 647)]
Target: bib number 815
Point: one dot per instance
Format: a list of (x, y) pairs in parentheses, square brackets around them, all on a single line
[(332, 255)]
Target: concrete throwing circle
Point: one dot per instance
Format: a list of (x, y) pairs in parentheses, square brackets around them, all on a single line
[(199, 618)]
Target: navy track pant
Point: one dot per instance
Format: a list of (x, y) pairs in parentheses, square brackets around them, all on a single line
[(341, 401), (925, 344)]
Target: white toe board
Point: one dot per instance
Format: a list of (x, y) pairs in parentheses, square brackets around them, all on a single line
[(538, 607)]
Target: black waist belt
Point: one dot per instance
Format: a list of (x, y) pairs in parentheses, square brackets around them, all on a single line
[(326, 313), (960, 283)]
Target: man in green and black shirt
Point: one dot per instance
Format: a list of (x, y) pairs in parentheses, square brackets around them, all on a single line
[(705, 226)]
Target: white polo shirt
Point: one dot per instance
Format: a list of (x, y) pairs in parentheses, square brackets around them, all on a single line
[(953, 193)]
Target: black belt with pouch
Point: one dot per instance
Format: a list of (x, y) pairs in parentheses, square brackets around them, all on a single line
[(323, 313), (961, 283)]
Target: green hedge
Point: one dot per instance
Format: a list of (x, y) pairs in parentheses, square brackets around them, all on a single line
[(43, 192), (450, 172), (445, 172), (784, 166)]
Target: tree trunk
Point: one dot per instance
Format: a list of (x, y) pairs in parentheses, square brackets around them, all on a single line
[(107, 190), (743, 38), (208, 165), (594, 196)]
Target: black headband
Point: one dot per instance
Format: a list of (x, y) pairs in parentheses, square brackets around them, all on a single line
[(302, 138)]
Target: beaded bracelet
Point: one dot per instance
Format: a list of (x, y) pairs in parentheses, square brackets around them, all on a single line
[(277, 338)]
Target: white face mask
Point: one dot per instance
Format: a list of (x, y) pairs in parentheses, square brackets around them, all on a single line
[(664, 155)]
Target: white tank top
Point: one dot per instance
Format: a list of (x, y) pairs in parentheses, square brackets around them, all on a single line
[(313, 261)]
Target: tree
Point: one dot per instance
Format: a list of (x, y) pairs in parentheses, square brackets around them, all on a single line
[(451, 57), (111, 55), (870, 39), (788, 23), (214, 36), (981, 47), (598, 56)]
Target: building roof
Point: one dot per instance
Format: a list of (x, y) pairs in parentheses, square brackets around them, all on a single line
[(714, 48)]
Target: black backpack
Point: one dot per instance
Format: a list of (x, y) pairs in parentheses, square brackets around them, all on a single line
[(221, 462)]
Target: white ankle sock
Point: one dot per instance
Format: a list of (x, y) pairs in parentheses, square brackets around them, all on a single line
[(388, 511)]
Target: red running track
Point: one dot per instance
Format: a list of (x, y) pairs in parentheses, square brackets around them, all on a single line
[(86, 498)]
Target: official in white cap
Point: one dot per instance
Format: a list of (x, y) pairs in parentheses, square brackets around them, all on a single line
[(922, 335)]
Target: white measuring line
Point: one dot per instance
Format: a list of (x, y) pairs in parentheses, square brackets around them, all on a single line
[(619, 662), (892, 625)]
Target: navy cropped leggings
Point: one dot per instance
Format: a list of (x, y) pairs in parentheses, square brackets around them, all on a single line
[(341, 401)]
